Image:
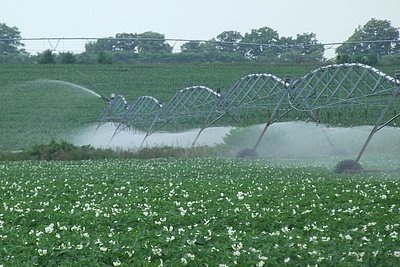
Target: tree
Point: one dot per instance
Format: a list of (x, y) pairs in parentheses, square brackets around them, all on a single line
[(122, 42), (304, 48), (229, 41), (104, 58), (153, 42), (208, 51), (192, 47), (266, 36), (374, 30), (67, 58), (105, 44), (125, 42), (47, 57), (10, 42)]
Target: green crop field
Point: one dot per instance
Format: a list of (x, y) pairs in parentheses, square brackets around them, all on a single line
[(277, 211), (133, 80), (195, 212)]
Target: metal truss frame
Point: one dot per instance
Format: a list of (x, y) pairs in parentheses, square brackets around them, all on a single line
[(344, 86), (355, 87), (115, 110), (139, 115), (253, 92), (188, 105), (341, 86)]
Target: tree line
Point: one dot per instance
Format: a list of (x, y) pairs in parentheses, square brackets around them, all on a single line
[(263, 45)]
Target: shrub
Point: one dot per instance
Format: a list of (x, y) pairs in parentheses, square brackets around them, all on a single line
[(66, 151), (104, 58), (46, 57), (67, 58)]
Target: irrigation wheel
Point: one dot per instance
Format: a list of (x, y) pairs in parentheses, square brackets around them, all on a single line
[(348, 166), (248, 153)]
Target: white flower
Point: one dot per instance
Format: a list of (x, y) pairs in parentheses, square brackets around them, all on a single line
[(393, 234), (364, 238), (184, 261), (104, 249), (190, 256), (39, 234), (116, 263), (325, 239), (157, 251), (49, 229), (182, 211), (396, 254), (240, 195), (287, 260), (348, 237), (42, 252), (80, 246), (169, 239), (238, 246), (260, 264)]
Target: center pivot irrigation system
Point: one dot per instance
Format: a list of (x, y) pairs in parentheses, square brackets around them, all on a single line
[(339, 94)]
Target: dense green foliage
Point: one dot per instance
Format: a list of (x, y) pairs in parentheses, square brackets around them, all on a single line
[(47, 57), (368, 44), (373, 30), (194, 212), (64, 151), (9, 44)]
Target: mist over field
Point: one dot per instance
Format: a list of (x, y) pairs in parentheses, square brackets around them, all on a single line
[(131, 140), (285, 139)]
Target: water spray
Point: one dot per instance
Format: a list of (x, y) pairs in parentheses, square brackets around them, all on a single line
[(100, 93)]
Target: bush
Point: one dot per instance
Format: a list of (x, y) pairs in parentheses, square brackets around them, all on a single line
[(66, 151), (67, 58), (372, 60), (104, 58), (343, 58), (46, 57), (393, 59)]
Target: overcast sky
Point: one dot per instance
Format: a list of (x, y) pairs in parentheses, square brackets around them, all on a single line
[(331, 21)]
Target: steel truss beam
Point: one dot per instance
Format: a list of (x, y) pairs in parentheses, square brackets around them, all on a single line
[(139, 115), (115, 110), (252, 93), (188, 106), (354, 87)]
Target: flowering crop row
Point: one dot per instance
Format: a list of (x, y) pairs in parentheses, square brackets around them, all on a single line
[(195, 211)]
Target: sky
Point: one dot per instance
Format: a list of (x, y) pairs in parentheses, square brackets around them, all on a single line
[(331, 21)]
